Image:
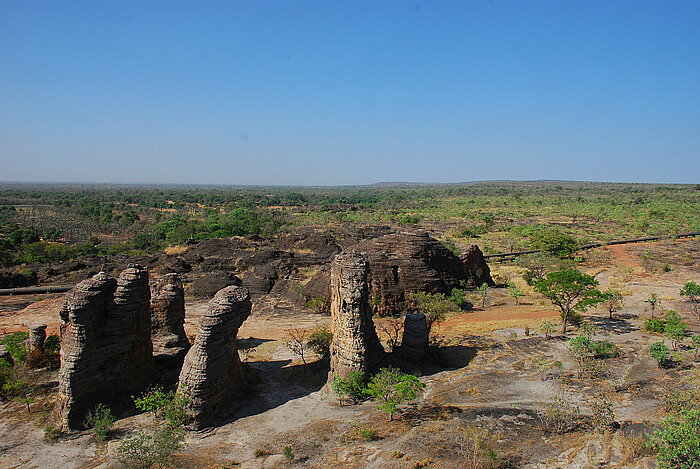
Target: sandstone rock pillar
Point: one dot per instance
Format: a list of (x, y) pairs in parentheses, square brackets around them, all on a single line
[(414, 344), (106, 353), (355, 345), (168, 336), (477, 269), (37, 337), (211, 375)]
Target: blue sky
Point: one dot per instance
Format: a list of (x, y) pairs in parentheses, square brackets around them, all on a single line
[(330, 92)]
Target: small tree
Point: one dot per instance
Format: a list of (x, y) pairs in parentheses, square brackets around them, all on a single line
[(653, 301), (548, 328), (571, 291), (674, 328), (392, 327), (351, 387), (483, 292), (296, 342), (101, 420), (320, 342), (691, 290), (515, 292), (392, 388), (435, 306), (614, 301)]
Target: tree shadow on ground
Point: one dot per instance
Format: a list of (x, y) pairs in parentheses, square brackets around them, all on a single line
[(616, 325), (274, 383)]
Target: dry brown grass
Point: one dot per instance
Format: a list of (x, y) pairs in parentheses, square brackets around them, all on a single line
[(175, 250)]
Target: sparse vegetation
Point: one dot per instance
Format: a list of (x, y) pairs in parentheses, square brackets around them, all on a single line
[(392, 388)]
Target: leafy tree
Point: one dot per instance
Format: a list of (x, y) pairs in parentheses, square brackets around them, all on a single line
[(571, 291), (674, 328), (16, 345), (147, 449), (691, 290), (678, 441), (392, 388), (553, 241), (435, 306), (483, 292), (614, 301), (320, 342), (515, 292), (654, 301)]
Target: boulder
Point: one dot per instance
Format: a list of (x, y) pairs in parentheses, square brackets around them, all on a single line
[(477, 269)]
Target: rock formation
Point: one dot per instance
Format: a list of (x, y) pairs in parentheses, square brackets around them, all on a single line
[(355, 345), (414, 344), (106, 353), (37, 337), (211, 375), (403, 262), (168, 336), (477, 269), (5, 355)]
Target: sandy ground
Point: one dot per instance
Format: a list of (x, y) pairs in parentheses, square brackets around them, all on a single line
[(498, 378)]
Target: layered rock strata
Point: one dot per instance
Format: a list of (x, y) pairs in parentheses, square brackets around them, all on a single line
[(106, 353), (475, 265), (355, 345), (211, 375), (37, 337), (168, 336), (414, 344)]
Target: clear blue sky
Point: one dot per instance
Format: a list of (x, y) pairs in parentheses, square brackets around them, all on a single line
[(330, 92)]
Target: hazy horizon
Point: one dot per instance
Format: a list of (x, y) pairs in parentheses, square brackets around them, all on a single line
[(349, 93)]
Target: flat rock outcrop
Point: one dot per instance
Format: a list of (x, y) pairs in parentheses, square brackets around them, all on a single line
[(106, 353), (355, 345), (477, 269), (211, 375), (168, 336), (414, 344), (400, 263)]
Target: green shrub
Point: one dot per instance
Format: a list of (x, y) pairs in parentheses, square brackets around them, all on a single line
[(288, 453), (604, 349), (553, 241), (51, 433), (320, 342), (16, 344), (168, 406), (655, 326), (659, 352), (678, 441), (101, 420), (392, 388), (351, 387), (146, 449)]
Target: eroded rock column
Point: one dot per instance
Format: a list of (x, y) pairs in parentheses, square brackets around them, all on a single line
[(168, 336), (37, 337), (211, 375), (355, 345), (414, 344), (106, 353)]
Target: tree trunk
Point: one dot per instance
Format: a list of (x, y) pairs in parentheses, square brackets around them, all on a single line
[(563, 326)]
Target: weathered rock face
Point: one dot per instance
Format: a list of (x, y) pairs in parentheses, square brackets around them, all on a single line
[(106, 353), (211, 375), (37, 337), (355, 345), (168, 336), (403, 262), (414, 344), (477, 269)]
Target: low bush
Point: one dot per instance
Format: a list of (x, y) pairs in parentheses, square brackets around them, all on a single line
[(655, 326), (101, 420), (352, 388)]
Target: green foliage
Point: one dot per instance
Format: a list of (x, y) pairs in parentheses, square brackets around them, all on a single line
[(655, 326), (553, 241), (168, 406), (148, 449), (406, 219), (101, 420), (459, 298), (583, 345), (614, 300), (548, 328), (678, 441), (51, 433), (571, 291), (659, 352), (52, 343), (674, 328), (435, 306), (483, 292), (392, 388), (352, 388), (691, 290), (472, 231), (23, 236), (16, 344), (449, 244), (320, 342), (5, 373), (288, 453), (515, 292)]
